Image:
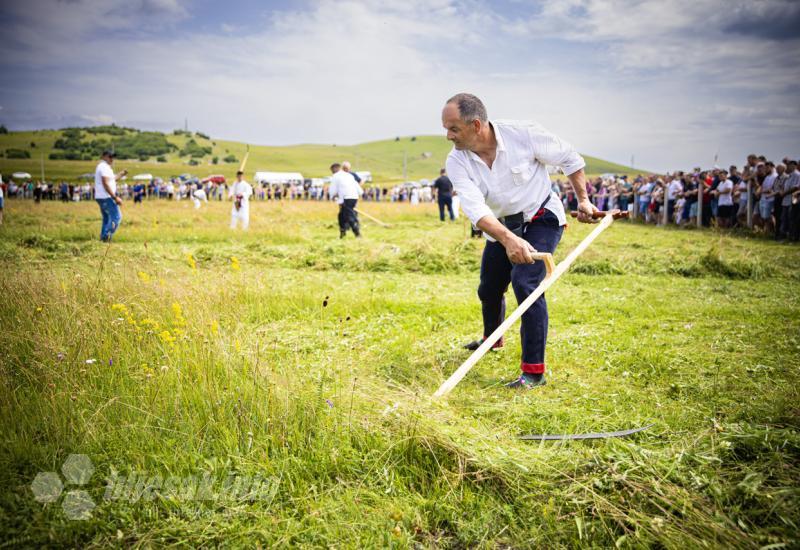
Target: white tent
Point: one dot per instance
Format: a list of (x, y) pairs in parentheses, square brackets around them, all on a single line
[(21, 176), (143, 177), (273, 178), (366, 177)]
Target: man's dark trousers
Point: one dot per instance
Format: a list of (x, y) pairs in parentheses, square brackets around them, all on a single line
[(497, 271), (448, 202), (348, 218)]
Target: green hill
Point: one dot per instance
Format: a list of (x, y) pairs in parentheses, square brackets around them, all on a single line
[(424, 155)]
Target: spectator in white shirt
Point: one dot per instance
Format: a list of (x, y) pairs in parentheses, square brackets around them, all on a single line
[(724, 192), (346, 190), (105, 193), (674, 191), (499, 169), (240, 192), (766, 202)]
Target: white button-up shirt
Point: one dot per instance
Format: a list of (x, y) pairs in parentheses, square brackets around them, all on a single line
[(518, 180), (675, 187), (344, 186), (241, 188)]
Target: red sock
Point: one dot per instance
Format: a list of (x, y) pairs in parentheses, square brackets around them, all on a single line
[(533, 368)]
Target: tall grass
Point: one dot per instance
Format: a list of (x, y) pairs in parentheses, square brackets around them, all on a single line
[(311, 361)]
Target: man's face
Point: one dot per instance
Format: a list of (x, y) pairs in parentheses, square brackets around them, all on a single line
[(462, 134), (780, 168), (109, 160)]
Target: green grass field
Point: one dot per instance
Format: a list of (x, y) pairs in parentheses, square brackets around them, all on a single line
[(383, 158), (185, 349)]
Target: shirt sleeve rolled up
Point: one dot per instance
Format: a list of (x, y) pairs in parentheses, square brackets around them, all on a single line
[(471, 199)]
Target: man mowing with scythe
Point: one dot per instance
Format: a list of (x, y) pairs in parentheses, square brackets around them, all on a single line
[(499, 170)]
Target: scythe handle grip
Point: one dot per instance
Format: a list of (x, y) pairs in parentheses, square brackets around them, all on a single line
[(600, 214)]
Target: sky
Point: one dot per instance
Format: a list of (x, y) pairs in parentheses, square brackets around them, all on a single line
[(667, 84)]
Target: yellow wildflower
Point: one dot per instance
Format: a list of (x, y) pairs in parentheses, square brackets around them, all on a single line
[(147, 322), (191, 262), (235, 264), (177, 313), (144, 277), (167, 338), (214, 328)]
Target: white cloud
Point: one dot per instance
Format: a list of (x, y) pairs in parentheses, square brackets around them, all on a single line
[(652, 79)]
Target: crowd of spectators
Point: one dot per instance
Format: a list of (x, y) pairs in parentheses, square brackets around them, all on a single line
[(177, 189), (763, 195)]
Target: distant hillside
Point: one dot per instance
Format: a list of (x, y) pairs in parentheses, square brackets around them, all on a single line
[(68, 153)]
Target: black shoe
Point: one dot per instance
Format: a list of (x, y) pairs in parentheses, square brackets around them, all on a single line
[(475, 344), (527, 381)]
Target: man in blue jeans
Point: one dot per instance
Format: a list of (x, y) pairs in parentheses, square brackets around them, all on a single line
[(499, 169), (105, 193)]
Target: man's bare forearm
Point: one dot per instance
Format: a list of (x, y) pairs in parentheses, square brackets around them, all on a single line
[(492, 226), (578, 182)]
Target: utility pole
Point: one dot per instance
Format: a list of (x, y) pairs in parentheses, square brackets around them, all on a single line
[(42, 165), (405, 163), (186, 124)]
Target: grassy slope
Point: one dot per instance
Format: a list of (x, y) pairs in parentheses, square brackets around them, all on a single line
[(693, 331), (383, 158)]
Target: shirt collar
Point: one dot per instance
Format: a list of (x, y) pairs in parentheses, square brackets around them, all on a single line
[(501, 145)]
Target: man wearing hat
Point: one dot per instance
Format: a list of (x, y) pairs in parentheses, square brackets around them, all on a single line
[(240, 192), (105, 193)]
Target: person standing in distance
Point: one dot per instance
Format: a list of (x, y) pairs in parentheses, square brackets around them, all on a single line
[(444, 194), (346, 190), (499, 169), (240, 192), (105, 193)]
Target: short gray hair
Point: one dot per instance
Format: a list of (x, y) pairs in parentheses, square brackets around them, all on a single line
[(470, 107)]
